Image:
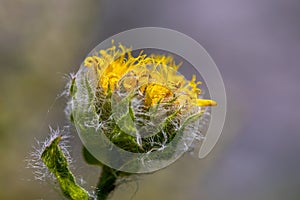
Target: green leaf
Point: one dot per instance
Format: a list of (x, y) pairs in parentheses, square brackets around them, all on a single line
[(55, 160)]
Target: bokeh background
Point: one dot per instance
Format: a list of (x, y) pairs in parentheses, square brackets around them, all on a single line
[(256, 45)]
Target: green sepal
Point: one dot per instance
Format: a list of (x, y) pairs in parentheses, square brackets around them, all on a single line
[(73, 87)]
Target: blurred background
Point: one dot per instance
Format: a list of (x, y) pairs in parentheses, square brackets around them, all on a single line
[(256, 45)]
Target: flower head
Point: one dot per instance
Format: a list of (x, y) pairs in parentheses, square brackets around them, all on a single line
[(140, 103)]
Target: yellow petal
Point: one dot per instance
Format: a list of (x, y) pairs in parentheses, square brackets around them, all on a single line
[(205, 102)]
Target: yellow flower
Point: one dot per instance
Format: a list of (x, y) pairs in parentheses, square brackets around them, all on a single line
[(155, 76)]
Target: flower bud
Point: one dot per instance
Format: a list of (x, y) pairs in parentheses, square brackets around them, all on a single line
[(135, 112)]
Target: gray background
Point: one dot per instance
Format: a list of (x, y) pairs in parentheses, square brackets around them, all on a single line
[(256, 45)]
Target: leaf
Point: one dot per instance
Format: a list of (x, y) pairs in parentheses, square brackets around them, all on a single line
[(55, 160)]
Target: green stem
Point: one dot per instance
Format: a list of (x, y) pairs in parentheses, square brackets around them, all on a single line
[(107, 182)]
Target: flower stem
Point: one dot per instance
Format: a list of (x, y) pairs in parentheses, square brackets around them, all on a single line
[(107, 182)]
